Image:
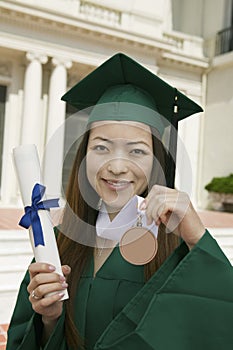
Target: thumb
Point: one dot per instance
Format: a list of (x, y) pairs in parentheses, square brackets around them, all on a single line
[(66, 270), (143, 205)]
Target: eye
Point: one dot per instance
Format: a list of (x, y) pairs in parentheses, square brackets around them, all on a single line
[(138, 151), (100, 148)]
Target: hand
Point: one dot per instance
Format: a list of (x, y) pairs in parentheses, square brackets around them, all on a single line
[(43, 280), (174, 209)]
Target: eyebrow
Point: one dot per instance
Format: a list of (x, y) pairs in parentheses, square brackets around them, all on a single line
[(131, 143), (101, 139)]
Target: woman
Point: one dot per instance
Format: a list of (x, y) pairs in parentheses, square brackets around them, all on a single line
[(169, 301)]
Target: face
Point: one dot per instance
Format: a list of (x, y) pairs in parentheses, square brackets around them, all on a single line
[(119, 161)]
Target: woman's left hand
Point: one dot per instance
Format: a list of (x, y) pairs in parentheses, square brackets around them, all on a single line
[(175, 210)]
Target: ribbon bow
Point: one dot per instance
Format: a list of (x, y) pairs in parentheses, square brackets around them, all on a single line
[(31, 217)]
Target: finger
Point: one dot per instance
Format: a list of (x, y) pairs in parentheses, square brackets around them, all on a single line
[(172, 213), (143, 205), (43, 290), (66, 269), (37, 267), (165, 201), (158, 190), (48, 301), (44, 278), (153, 205), (47, 306), (154, 212), (160, 210), (178, 205)]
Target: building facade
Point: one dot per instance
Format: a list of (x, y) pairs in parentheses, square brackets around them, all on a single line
[(214, 23), (49, 46)]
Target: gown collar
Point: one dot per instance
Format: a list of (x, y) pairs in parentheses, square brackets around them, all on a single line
[(125, 219)]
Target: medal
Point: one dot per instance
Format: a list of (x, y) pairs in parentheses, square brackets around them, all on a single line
[(137, 242), (138, 245)]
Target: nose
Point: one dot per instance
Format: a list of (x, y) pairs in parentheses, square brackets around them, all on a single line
[(118, 166)]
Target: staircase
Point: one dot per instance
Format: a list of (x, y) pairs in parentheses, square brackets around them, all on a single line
[(15, 256), (224, 237)]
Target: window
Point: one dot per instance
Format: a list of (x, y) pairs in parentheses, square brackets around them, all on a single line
[(224, 38)]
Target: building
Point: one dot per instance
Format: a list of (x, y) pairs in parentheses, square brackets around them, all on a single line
[(214, 23), (48, 46)]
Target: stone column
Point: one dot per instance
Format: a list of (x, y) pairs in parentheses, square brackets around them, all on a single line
[(53, 156), (32, 118)]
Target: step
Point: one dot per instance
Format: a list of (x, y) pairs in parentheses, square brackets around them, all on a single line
[(12, 277), (14, 235), (11, 288), (221, 231), (12, 268), (14, 242), (21, 259), (7, 303)]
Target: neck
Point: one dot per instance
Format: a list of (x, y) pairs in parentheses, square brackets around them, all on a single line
[(112, 213)]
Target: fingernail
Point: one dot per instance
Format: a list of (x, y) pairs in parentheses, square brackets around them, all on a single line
[(52, 268), (64, 285), (62, 278), (61, 295), (142, 206)]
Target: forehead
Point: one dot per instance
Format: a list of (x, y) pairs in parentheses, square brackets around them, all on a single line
[(120, 129)]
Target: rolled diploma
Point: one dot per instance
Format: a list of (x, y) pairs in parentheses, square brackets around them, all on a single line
[(28, 171)]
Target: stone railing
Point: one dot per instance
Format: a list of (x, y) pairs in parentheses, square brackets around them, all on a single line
[(185, 43), (96, 12)]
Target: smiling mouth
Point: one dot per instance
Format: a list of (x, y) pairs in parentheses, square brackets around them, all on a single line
[(117, 184)]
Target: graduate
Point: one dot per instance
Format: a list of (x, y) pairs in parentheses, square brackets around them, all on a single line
[(141, 269)]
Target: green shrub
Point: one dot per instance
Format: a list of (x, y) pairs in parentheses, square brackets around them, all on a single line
[(221, 184)]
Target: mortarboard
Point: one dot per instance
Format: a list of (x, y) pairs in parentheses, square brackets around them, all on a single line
[(122, 89)]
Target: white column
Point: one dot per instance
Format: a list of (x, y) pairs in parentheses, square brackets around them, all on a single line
[(53, 156), (32, 118)]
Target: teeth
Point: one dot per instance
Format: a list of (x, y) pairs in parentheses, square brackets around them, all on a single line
[(118, 184)]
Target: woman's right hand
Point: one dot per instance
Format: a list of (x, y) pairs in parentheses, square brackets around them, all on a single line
[(43, 280)]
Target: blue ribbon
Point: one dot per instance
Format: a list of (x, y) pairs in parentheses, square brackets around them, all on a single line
[(31, 217)]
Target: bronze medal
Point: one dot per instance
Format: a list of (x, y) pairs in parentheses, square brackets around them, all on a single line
[(138, 245)]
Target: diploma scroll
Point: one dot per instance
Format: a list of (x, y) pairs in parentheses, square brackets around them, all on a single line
[(29, 176)]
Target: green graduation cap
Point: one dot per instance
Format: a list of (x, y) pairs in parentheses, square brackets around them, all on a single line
[(122, 89)]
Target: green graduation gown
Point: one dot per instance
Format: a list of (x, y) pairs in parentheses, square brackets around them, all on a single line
[(186, 305)]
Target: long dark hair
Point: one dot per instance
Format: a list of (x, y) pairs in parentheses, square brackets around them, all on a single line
[(78, 225)]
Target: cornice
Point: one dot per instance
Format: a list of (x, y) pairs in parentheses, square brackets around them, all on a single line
[(183, 59), (36, 19), (77, 25)]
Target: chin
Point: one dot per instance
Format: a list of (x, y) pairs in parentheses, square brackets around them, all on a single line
[(116, 204)]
